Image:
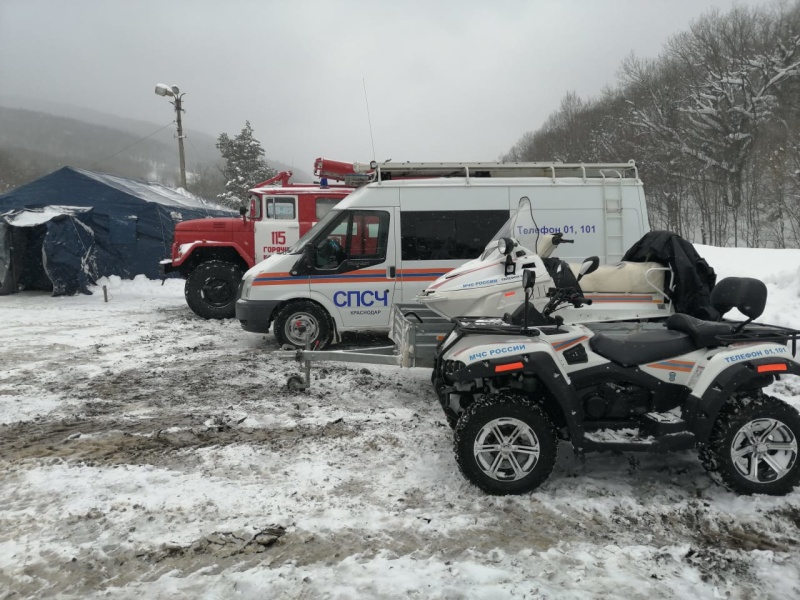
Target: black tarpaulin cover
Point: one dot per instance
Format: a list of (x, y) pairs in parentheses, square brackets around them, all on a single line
[(71, 227), (693, 276)]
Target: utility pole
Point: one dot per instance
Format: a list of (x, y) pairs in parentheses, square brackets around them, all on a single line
[(174, 92), (178, 111)]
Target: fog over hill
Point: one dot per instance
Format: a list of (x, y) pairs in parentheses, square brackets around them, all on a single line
[(44, 135)]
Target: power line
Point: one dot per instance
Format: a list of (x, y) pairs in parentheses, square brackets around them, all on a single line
[(369, 119), (131, 145)]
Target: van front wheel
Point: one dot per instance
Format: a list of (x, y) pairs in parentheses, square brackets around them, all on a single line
[(299, 319)]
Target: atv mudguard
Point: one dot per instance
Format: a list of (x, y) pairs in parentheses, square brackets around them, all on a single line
[(541, 365), (700, 413)]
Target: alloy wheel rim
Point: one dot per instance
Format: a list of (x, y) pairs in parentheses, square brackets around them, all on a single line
[(506, 449), (764, 450)]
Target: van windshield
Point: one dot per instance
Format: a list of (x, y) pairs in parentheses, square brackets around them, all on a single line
[(312, 233)]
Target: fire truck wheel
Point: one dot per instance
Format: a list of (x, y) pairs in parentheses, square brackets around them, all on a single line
[(300, 318), (210, 289)]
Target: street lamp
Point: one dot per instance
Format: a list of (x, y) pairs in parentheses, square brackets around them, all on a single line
[(167, 90)]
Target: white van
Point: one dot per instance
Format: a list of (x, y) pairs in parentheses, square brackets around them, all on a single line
[(388, 240)]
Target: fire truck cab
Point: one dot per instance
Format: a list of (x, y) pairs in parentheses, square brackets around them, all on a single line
[(212, 254)]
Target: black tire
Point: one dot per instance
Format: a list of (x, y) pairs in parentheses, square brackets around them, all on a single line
[(753, 447), (452, 421), (513, 417), (210, 289), (305, 312)]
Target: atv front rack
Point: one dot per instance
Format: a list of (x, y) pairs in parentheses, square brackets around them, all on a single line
[(494, 325)]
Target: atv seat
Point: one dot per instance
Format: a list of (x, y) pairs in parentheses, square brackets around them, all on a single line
[(685, 333), (703, 333), (747, 295), (640, 348)]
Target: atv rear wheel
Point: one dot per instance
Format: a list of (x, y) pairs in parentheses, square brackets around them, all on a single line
[(753, 447), (210, 289), (505, 444), (295, 316)]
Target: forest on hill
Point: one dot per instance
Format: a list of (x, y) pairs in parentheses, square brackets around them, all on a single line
[(713, 124)]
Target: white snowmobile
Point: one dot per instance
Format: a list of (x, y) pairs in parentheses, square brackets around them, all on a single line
[(490, 284), (512, 391)]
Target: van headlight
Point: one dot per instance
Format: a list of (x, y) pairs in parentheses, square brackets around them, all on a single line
[(244, 291)]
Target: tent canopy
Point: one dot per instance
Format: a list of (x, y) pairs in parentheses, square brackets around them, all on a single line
[(71, 227)]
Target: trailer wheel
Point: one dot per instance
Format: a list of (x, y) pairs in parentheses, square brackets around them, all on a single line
[(296, 383), (505, 444), (753, 447), (290, 320), (210, 289)]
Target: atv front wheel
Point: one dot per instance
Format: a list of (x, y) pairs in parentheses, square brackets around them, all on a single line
[(505, 444), (210, 289), (753, 447)]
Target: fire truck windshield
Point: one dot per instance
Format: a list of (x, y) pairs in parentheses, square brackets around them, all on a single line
[(297, 248)]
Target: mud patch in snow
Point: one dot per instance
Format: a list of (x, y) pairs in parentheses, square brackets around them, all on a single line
[(148, 453)]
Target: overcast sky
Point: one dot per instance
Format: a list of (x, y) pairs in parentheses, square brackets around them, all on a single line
[(457, 80)]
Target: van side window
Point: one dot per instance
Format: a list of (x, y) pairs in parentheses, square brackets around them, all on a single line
[(448, 235), (280, 207), (324, 206), (356, 239)]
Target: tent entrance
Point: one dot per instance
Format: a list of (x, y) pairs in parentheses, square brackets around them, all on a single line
[(55, 256), (21, 259)]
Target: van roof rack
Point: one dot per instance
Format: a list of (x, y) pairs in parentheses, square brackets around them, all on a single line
[(419, 170)]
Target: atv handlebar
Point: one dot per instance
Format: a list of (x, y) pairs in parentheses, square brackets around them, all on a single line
[(579, 301), (558, 238), (559, 296)]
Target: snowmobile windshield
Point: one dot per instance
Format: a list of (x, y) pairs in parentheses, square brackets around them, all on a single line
[(521, 227), (312, 233)]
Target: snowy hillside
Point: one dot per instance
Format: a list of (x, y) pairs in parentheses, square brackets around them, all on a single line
[(146, 453)]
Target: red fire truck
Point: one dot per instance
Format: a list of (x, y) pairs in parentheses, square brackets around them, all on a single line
[(212, 254)]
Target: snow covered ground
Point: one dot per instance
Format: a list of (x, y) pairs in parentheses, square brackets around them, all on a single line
[(147, 453)]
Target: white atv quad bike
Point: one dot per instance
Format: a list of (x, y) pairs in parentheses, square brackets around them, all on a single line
[(513, 391), (491, 284)]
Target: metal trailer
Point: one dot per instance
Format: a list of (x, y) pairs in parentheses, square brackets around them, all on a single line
[(414, 329), (416, 332)]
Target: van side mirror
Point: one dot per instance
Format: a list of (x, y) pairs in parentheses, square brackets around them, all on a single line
[(528, 278), (589, 266)]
